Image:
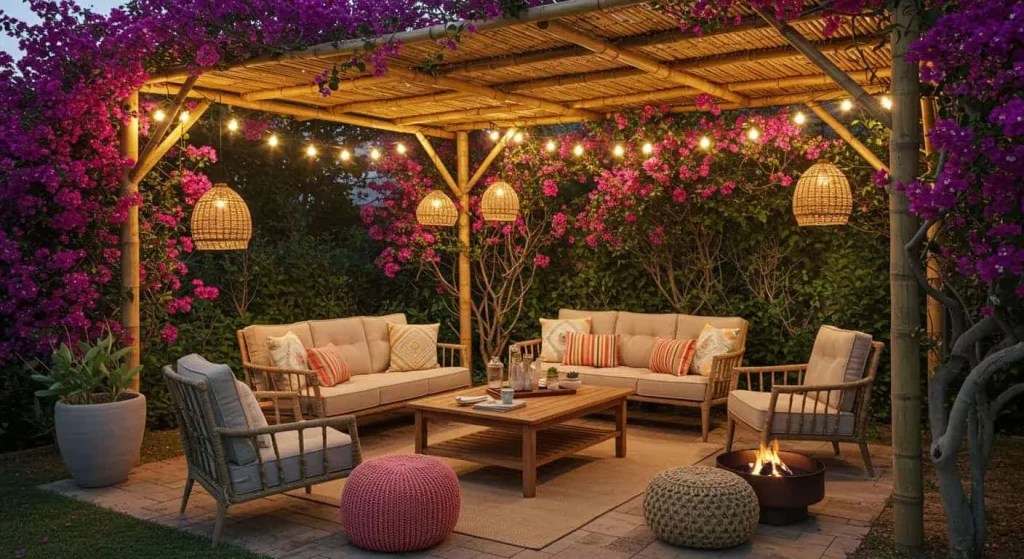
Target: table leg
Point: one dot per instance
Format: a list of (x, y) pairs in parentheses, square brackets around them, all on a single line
[(529, 462), (620, 426), (421, 432)]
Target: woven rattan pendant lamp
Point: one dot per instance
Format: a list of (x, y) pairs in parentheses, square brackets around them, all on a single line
[(221, 221), (500, 202), (437, 209), (822, 196)]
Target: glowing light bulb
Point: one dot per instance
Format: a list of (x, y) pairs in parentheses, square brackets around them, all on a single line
[(886, 102), (159, 115), (375, 154), (705, 142), (220, 204), (647, 148), (311, 151), (345, 155), (799, 118), (435, 203), (578, 150), (552, 146), (495, 135), (618, 151), (518, 138), (184, 116), (753, 134), (272, 141), (400, 148), (846, 105), (233, 125)]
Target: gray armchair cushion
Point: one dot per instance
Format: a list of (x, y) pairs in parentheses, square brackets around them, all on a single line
[(227, 406), (246, 478)]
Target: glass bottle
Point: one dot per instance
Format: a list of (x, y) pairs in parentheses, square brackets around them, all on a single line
[(530, 378), (515, 370), (495, 373)]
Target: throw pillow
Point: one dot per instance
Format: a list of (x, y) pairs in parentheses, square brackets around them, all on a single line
[(253, 413), (413, 347), (552, 334), (287, 352), (329, 364), (672, 357), (712, 342), (591, 350)]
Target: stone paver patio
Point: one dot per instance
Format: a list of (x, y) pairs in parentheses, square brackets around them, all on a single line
[(288, 527)]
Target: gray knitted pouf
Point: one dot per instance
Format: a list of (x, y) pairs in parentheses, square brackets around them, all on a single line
[(701, 507)]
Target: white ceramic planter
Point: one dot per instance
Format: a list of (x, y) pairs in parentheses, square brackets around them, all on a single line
[(570, 384), (100, 443)]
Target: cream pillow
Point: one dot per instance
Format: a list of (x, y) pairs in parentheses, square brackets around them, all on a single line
[(253, 413), (287, 352), (413, 347), (711, 342), (553, 333)]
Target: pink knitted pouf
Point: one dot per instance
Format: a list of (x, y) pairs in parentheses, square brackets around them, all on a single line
[(404, 502)]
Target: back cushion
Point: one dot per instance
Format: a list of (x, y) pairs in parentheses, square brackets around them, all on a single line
[(378, 340), (838, 356), (349, 336), (227, 404), (637, 333), (257, 334), (688, 326), (601, 322)]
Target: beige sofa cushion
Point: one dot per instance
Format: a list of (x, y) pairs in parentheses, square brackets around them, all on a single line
[(688, 326), (838, 356), (256, 339), (368, 391), (359, 393), (348, 335), (602, 322), (637, 333), (246, 479), (616, 377), (686, 387), (377, 340), (752, 408)]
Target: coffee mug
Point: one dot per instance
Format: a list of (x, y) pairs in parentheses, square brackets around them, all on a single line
[(506, 396)]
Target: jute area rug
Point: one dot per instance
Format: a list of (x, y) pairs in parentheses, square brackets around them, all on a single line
[(570, 492)]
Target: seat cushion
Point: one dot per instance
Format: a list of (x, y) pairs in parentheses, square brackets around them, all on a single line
[(688, 326), (257, 334), (378, 340), (359, 393), (350, 337), (615, 377), (685, 387), (752, 407), (637, 333), (601, 322), (227, 404), (369, 391), (838, 356), (246, 479)]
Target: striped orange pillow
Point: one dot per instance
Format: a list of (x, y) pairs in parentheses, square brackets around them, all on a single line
[(672, 357), (329, 364), (591, 350)]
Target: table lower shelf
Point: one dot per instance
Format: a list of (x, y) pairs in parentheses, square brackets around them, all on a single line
[(499, 447)]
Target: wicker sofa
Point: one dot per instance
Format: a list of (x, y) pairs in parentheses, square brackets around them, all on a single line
[(637, 332), (364, 342)]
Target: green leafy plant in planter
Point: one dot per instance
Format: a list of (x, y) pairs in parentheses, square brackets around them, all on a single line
[(572, 380), (99, 424)]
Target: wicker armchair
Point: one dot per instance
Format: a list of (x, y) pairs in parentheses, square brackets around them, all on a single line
[(296, 456), (787, 402)]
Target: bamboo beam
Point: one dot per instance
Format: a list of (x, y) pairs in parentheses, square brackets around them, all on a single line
[(904, 154), (936, 314), (844, 133), (171, 117), (130, 240), (459, 114), (779, 100), (379, 104), (465, 284), (423, 34), (519, 122), (869, 103), (301, 111), (438, 164), (495, 151), (606, 49), (149, 160), (351, 84)]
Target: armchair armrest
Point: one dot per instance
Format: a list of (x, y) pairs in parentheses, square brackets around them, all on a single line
[(448, 352), (824, 407), (721, 379), (271, 377), (776, 374), (529, 347), (276, 397)]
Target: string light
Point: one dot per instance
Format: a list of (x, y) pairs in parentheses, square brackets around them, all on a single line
[(619, 151), (345, 155), (887, 102), (159, 115), (705, 142), (552, 146), (233, 125), (647, 148), (518, 138), (272, 141), (375, 154), (578, 150), (311, 150), (846, 105), (753, 134), (400, 148), (184, 116), (495, 135), (799, 118)]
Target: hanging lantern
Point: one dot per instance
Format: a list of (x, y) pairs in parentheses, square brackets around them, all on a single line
[(822, 196), (500, 202), (437, 209), (220, 220)]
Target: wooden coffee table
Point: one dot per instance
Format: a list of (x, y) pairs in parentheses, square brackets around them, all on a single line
[(525, 438)]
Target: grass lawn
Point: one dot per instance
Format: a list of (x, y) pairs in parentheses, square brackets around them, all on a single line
[(40, 524)]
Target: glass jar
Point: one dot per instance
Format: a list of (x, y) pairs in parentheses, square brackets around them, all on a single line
[(495, 373), (530, 382)]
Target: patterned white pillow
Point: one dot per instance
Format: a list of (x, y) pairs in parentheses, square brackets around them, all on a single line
[(253, 413), (711, 342), (413, 347), (553, 333), (287, 352)]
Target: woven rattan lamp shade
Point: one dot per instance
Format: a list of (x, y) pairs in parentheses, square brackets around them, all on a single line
[(221, 221), (500, 202), (822, 196), (437, 209)]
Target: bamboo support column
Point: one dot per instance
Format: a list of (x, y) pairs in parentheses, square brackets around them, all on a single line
[(848, 136), (936, 315), (904, 157), (130, 239), (465, 289)]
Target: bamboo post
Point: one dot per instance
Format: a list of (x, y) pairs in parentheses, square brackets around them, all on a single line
[(904, 153), (465, 290), (436, 160), (130, 239), (936, 315), (848, 136)]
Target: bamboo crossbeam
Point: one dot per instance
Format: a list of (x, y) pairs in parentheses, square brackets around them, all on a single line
[(170, 117), (486, 163), (301, 111), (780, 100), (352, 84), (148, 161), (379, 104), (659, 69), (802, 44), (844, 133), (519, 122), (457, 114), (436, 160), (424, 34)]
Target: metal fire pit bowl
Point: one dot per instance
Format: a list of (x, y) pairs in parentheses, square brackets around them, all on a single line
[(783, 500)]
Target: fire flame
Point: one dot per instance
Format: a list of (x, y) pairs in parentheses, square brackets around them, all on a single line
[(768, 462)]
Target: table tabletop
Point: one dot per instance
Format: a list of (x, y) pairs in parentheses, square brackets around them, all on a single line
[(536, 410)]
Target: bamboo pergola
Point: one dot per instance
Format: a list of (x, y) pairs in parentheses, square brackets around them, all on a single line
[(576, 61)]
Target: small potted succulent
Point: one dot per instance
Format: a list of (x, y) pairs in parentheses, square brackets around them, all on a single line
[(571, 381), (99, 423), (552, 378)]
